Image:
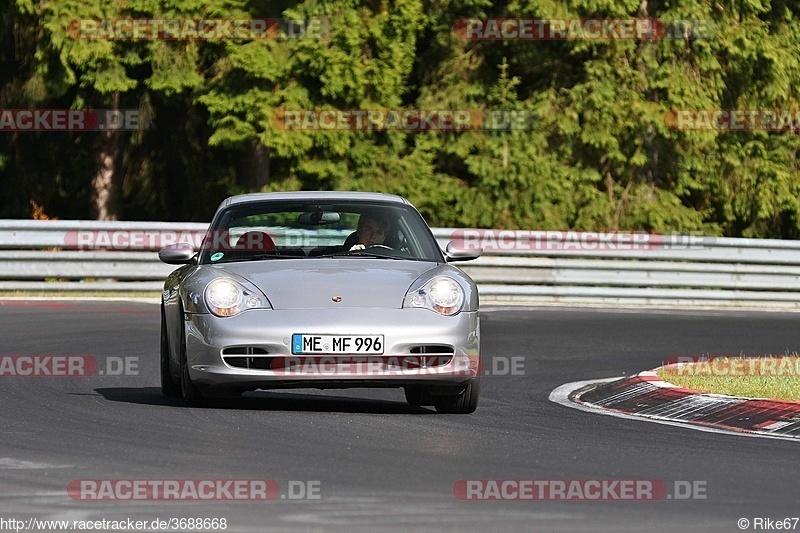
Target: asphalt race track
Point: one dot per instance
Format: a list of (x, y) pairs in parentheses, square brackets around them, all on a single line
[(381, 464)]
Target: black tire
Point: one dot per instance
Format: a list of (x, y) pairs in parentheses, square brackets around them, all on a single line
[(463, 403), (191, 395), (168, 385), (417, 396)]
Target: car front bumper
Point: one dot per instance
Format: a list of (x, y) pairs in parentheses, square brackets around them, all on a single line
[(270, 331)]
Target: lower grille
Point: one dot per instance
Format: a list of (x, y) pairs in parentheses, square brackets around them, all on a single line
[(237, 356), (244, 350), (433, 349)]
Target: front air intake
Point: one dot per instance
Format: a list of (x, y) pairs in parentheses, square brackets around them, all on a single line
[(433, 349), (240, 357)]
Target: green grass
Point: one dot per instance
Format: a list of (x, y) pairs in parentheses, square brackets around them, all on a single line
[(776, 377)]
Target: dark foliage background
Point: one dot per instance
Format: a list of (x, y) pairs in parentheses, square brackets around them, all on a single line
[(599, 156)]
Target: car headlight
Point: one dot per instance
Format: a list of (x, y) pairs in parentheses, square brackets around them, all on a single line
[(441, 294), (226, 297)]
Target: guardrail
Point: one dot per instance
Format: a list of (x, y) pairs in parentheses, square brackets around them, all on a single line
[(568, 267)]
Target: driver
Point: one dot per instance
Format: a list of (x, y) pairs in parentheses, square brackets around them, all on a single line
[(372, 229)]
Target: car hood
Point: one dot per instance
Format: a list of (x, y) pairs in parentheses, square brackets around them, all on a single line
[(315, 283)]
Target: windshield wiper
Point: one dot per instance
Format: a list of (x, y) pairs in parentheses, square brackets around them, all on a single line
[(358, 253), (255, 257)]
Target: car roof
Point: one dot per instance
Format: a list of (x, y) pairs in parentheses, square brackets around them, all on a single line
[(313, 196)]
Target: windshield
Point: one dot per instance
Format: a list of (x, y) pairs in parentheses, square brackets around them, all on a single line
[(314, 230)]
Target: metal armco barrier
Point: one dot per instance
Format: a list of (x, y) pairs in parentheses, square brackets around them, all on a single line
[(517, 266)]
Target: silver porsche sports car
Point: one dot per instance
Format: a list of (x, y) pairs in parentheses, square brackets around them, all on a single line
[(320, 290)]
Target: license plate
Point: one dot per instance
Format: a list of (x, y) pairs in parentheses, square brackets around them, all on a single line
[(337, 344)]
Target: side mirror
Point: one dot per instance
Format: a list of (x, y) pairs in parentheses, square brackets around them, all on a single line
[(454, 253), (181, 253)]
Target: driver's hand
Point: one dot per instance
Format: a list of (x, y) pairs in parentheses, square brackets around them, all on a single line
[(357, 247)]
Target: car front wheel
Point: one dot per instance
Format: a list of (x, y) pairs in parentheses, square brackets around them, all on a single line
[(463, 403), (168, 385), (192, 396)]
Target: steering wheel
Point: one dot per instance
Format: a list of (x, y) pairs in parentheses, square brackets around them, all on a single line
[(378, 246)]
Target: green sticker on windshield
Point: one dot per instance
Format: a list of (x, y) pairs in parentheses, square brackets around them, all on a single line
[(217, 256)]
